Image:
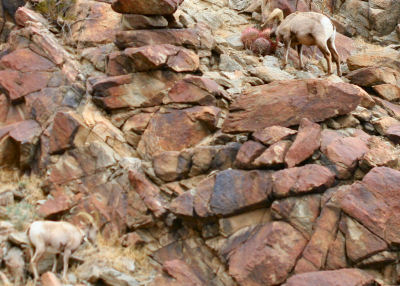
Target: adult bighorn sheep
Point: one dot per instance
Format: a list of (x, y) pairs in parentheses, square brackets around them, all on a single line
[(310, 29), (58, 237)]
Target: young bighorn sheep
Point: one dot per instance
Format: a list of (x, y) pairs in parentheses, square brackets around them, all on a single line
[(310, 29), (58, 237)]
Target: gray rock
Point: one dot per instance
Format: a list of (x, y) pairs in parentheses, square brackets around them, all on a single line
[(228, 64)]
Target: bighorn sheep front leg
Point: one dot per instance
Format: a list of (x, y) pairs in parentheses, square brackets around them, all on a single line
[(287, 48)]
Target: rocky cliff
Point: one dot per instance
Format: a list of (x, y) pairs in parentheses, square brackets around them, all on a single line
[(201, 163)]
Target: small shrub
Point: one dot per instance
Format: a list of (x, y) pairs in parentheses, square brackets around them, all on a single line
[(55, 10), (21, 215)]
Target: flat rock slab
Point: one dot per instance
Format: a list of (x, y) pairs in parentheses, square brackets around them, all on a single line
[(348, 277), (133, 90), (268, 256), (193, 37), (227, 193), (190, 125), (146, 7), (301, 180), (285, 103), (153, 57)]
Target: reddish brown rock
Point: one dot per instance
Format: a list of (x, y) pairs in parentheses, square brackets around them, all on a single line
[(23, 15), (137, 22), (300, 212), (374, 59), (184, 275), (50, 279), (373, 76), (64, 130), (306, 142), (183, 205), (17, 84), (387, 91), (197, 256), (249, 151), (24, 60), (392, 108), (329, 136), (336, 258), (82, 162), (374, 203), (146, 7), (274, 155), (301, 180), (233, 225), (360, 242), (57, 205), (18, 143), (348, 277), (135, 90), (95, 23), (288, 102), (315, 253), (137, 123), (393, 132), (196, 37), (273, 134), (132, 239), (380, 153), (202, 159), (190, 125), (268, 256), (148, 192), (345, 46), (41, 105), (152, 57), (195, 90), (345, 153), (232, 191), (171, 166)]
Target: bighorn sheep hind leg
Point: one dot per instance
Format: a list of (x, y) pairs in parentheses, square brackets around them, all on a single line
[(327, 54), (300, 52), (287, 48), (67, 254), (34, 260), (335, 54)]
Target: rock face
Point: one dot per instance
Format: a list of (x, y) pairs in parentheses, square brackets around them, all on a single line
[(157, 124), (288, 102), (191, 125)]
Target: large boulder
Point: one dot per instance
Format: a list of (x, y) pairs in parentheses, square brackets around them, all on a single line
[(285, 103), (190, 126)]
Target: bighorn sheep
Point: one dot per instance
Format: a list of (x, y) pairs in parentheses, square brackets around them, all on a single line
[(310, 29), (58, 237)]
